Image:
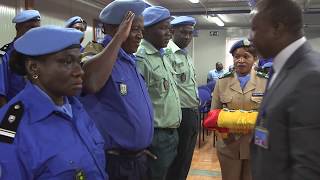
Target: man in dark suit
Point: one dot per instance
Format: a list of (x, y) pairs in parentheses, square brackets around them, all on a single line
[(285, 145)]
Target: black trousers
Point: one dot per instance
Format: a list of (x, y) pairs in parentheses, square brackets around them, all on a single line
[(127, 168), (188, 132)]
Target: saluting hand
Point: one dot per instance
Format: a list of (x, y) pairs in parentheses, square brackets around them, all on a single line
[(125, 26)]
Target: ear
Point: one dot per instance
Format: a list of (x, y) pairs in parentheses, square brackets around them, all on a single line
[(172, 30), (279, 30), (32, 67)]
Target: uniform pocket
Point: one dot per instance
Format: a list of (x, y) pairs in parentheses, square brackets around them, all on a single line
[(61, 166), (225, 99)]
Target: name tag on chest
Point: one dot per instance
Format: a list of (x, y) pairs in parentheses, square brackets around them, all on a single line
[(261, 137), (257, 94)]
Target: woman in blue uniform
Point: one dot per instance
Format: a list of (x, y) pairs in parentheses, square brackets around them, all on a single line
[(44, 131)]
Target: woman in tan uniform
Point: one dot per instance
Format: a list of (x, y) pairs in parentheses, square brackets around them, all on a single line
[(240, 89)]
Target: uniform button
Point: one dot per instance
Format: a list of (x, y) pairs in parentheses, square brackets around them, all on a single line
[(71, 162)]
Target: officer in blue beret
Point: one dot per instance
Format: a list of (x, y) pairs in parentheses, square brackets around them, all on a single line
[(117, 97), (45, 133), (182, 30), (11, 83), (77, 22), (153, 62), (241, 88)]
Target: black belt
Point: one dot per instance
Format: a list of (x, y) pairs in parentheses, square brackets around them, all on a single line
[(166, 130), (130, 154), (195, 109)]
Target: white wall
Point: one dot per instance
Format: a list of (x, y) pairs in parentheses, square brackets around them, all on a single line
[(314, 39), (8, 9), (207, 51)]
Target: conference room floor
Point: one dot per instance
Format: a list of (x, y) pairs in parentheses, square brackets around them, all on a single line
[(205, 164)]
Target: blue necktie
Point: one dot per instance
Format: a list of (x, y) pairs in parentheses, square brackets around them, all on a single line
[(270, 74)]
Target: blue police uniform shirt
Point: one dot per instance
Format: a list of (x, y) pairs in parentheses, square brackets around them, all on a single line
[(122, 109), (214, 74), (264, 61), (10, 83), (49, 144)]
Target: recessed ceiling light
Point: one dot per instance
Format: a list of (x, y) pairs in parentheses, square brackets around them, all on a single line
[(214, 19), (194, 1)]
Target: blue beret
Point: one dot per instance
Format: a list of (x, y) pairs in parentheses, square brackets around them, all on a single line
[(47, 39), (74, 20), (267, 65), (26, 15), (183, 20), (155, 14), (114, 12), (239, 44)]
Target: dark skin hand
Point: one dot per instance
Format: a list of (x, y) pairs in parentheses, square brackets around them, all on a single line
[(98, 69)]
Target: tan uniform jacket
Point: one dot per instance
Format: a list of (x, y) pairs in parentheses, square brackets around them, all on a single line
[(228, 94)]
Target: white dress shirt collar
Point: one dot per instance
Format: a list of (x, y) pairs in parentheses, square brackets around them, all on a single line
[(285, 53)]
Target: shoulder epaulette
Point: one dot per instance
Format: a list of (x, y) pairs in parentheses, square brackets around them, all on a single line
[(168, 51), (227, 74), (10, 122), (263, 75), (4, 49)]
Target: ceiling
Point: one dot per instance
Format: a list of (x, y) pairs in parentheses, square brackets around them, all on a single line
[(234, 13)]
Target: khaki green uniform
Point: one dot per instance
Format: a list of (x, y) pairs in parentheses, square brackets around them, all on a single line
[(156, 69), (233, 152), (184, 76), (91, 49), (157, 73), (188, 91)]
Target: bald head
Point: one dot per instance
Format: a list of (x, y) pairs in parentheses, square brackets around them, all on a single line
[(287, 12)]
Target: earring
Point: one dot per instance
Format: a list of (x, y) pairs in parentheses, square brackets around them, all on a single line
[(35, 76)]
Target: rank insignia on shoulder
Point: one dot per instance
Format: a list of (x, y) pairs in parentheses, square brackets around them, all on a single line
[(257, 94), (80, 175), (123, 89), (227, 74), (10, 122), (183, 77), (263, 75)]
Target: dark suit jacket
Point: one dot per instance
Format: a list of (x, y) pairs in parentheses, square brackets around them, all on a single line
[(291, 113)]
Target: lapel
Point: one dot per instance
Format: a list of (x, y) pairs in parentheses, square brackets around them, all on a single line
[(235, 84), (293, 60), (251, 84)]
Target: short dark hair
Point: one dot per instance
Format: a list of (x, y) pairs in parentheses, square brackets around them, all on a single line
[(287, 12), (17, 62)]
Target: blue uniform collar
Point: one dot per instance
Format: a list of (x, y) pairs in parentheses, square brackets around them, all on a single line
[(122, 54), (243, 80), (43, 104), (65, 108)]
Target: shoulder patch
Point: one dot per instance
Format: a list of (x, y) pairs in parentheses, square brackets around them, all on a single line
[(262, 75), (10, 122), (227, 74)]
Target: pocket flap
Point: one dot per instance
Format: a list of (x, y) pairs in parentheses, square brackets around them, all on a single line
[(226, 99)]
